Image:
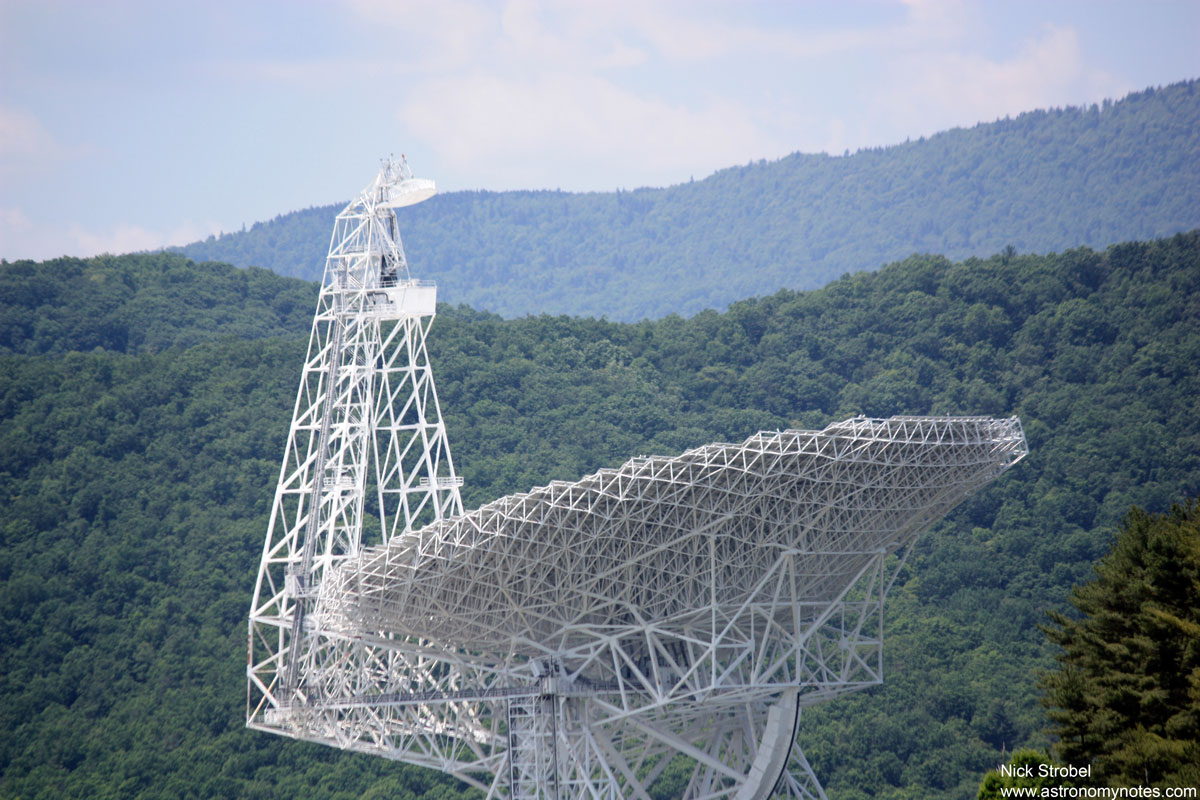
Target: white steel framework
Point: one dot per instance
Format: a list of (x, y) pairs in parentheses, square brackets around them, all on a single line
[(366, 442), (572, 641)]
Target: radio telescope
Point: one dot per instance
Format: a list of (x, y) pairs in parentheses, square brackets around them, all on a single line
[(572, 641)]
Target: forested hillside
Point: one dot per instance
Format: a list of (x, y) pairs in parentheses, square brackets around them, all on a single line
[(143, 304), (138, 460), (1045, 181)]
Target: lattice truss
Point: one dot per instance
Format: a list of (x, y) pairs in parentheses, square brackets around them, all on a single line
[(572, 641), (366, 441)]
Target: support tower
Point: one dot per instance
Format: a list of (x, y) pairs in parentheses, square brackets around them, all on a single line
[(366, 459)]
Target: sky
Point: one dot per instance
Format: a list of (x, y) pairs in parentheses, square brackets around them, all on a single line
[(133, 124)]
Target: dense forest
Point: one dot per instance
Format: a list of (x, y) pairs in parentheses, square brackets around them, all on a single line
[(1044, 181), (144, 401), (1123, 698)]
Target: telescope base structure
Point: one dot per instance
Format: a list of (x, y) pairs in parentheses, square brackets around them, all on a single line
[(575, 641)]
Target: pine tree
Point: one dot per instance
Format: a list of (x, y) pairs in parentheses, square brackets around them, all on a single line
[(1125, 698)]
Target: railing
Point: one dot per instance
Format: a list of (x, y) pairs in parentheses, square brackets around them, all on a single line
[(441, 483)]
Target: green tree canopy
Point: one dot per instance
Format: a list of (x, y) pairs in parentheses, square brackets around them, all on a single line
[(144, 401), (1126, 695)]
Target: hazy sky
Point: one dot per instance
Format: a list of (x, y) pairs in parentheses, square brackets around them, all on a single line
[(129, 125)]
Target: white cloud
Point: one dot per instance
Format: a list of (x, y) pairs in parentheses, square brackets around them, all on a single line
[(20, 132), (564, 89), (19, 235), (32, 157), (624, 33), (121, 239), (14, 220), (317, 75), (979, 87), (22, 237), (574, 89), (681, 36), (461, 35), (128, 238), (434, 34), (24, 139), (935, 89), (932, 21), (530, 133), (394, 42)]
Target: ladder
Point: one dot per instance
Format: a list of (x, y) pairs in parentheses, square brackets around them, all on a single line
[(533, 748)]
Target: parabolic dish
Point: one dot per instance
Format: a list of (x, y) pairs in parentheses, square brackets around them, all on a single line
[(408, 193), (669, 541)]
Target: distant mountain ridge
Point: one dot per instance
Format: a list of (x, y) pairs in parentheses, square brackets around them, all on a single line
[(1043, 181)]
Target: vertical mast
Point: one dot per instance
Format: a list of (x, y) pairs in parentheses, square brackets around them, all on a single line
[(366, 438)]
